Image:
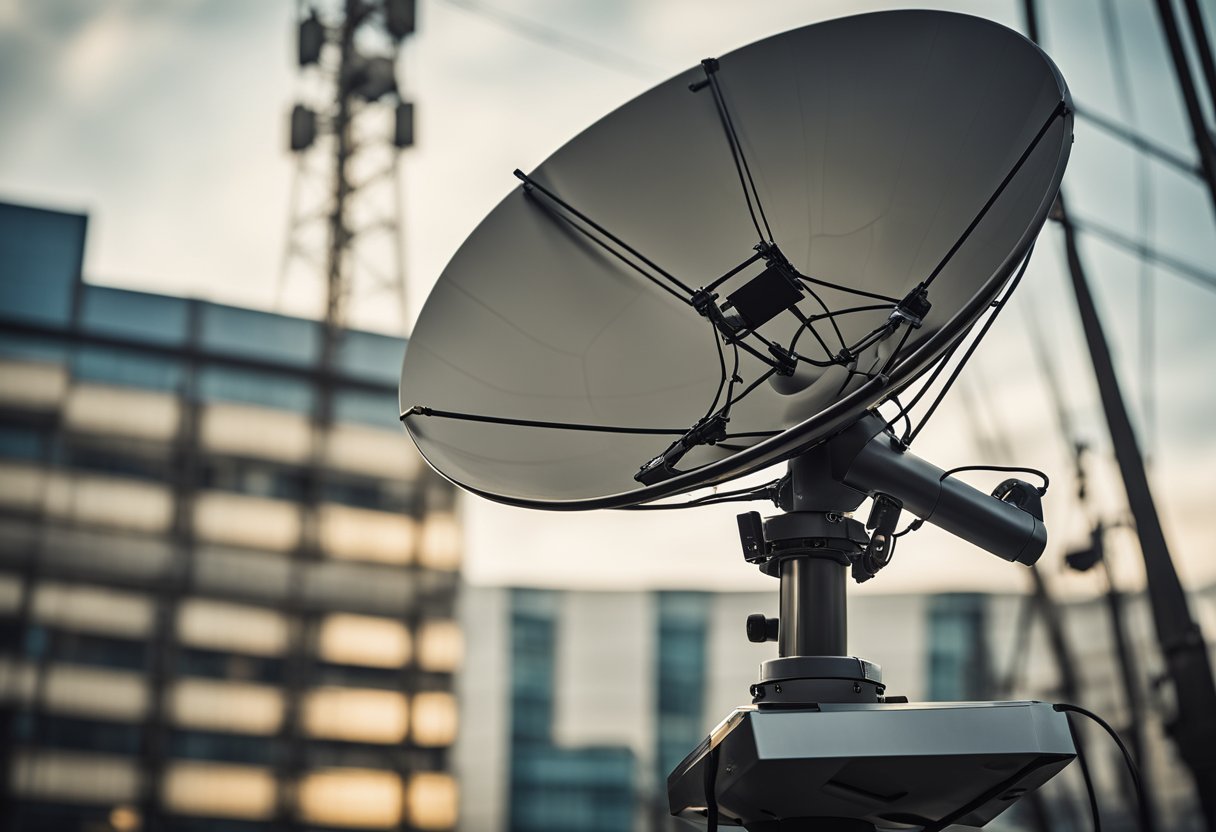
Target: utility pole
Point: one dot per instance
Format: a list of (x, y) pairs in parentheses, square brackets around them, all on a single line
[(1186, 83), (1188, 666), (346, 192), (347, 136)]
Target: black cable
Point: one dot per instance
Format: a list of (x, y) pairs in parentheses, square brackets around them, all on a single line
[(911, 527), (890, 362), (808, 325), (529, 182), (763, 377), (1014, 469), (860, 292), (831, 319), (420, 410), (1141, 798), (730, 385), (722, 364), (1059, 110), (1085, 775), (997, 307), (1139, 142), (736, 151), (610, 250), (768, 491), (1141, 249), (906, 410), (903, 412)]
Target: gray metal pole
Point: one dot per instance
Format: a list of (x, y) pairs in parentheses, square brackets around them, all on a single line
[(1182, 643), (813, 616), (1190, 96)]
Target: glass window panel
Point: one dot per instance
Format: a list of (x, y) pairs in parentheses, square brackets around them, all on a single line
[(88, 735), (222, 626), (75, 776), (432, 800), (440, 646), (245, 521), (440, 546), (350, 797), (371, 356), (356, 715), (93, 610), (109, 501), (357, 587), (90, 691), (251, 387), (229, 748), (158, 319), (90, 553), (225, 665), (258, 432), (42, 252), (383, 451), (32, 348), (364, 640), (81, 648), (249, 333), (129, 368), (114, 411), (433, 719), (235, 707), (379, 409), (218, 790), (22, 442), (242, 572), (350, 533)]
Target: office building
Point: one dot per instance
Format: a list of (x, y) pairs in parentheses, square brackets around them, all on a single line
[(227, 582), (578, 704)]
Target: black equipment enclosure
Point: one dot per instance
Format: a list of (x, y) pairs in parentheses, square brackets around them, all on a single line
[(835, 206)]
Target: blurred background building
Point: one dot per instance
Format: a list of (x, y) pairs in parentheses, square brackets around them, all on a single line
[(578, 704), (215, 614)]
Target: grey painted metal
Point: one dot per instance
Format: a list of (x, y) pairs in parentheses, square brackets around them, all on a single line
[(812, 608), (949, 503), (874, 142), (888, 765)]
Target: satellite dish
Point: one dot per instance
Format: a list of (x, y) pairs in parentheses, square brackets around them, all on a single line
[(801, 226)]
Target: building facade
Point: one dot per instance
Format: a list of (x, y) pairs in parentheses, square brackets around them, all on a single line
[(227, 582), (578, 704)]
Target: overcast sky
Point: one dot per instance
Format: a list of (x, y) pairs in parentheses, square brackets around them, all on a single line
[(166, 123)]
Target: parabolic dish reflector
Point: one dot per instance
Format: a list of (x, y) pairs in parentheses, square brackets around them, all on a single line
[(814, 183)]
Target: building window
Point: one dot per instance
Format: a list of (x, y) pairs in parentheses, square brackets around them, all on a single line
[(128, 368), (250, 387), (680, 674), (42, 252), (568, 789), (135, 315), (249, 333), (371, 357), (958, 652)]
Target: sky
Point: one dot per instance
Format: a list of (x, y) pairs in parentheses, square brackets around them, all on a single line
[(166, 122)]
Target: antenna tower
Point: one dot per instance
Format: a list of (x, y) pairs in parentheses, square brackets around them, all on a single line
[(347, 132)]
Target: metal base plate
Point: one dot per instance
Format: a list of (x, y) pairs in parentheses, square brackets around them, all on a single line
[(894, 766)]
